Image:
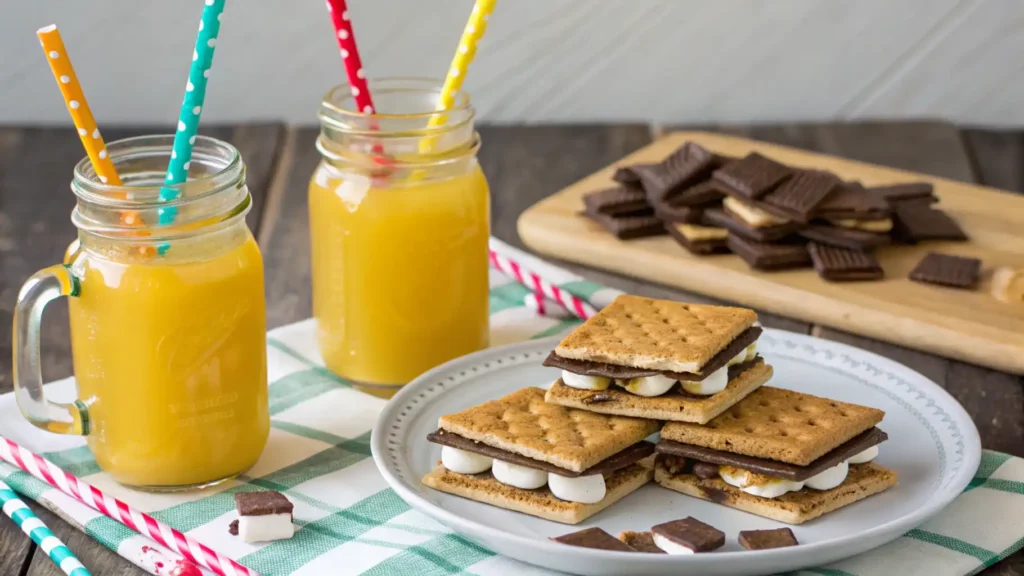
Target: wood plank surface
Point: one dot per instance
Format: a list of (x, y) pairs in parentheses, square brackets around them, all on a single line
[(36, 166), (100, 560)]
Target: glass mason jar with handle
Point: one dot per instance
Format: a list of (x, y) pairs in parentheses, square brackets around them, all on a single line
[(168, 322), (399, 217)]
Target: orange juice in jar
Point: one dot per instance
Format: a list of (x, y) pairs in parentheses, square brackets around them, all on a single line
[(169, 345), (399, 218)]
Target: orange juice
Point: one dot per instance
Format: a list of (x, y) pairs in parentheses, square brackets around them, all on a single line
[(400, 272), (170, 357)]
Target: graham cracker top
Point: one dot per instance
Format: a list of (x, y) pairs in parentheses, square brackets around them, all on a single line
[(524, 423), (656, 334), (779, 424)]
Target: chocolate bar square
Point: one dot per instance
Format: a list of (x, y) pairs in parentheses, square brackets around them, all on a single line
[(594, 538), (947, 270), (767, 539), (842, 264), (915, 222), (262, 503), (691, 533), (753, 176)]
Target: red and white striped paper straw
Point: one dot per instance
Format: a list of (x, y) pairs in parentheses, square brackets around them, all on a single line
[(189, 548), (350, 55), (574, 304)]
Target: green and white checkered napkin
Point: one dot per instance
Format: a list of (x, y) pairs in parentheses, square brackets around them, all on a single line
[(352, 523)]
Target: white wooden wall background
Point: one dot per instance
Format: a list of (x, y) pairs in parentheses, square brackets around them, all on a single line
[(543, 60)]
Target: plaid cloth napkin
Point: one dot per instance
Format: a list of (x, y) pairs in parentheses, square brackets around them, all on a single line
[(352, 523)]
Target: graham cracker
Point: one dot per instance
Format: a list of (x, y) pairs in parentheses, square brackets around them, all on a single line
[(751, 214), (672, 406), (525, 424), (540, 502), (698, 233), (640, 541), (779, 424), (793, 507), (656, 334)]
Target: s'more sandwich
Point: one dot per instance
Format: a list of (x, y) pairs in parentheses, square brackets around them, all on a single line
[(659, 359), (779, 454), (523, 454)]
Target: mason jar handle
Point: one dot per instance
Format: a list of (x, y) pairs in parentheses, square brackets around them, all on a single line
[(41, 289)]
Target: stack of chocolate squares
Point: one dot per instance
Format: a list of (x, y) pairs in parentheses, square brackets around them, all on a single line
[(773, 216)]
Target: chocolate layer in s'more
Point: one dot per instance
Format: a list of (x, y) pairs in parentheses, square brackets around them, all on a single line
[(524, 454), (659, 359), (777, 453)]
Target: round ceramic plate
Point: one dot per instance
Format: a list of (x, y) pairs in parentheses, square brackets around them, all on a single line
[(933, 446)]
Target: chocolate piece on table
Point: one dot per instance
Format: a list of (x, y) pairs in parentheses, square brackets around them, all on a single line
[(767, 539), (872, 437), (594, 538), (689, 164), (797, 197), (640, 541), (700, 240), (616, 201), (705, 470), (899, 193), (262, 503), (629, 227), (844, 265), (724, 219), (763, 256), (844, 237), (617, 461), (947, 270), (696, 195), (680, 214), (690, 533), (851, 200), (627, 175), (592, 368), (753, 176), (914, 222)]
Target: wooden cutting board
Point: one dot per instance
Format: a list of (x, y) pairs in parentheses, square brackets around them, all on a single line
[(967, 325)]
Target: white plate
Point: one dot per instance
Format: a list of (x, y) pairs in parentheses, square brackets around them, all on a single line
[(933, 445)]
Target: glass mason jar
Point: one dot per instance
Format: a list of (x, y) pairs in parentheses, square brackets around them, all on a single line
[(399, 215), (168, 322)]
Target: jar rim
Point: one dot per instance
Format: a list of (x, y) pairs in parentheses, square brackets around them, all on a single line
[(333, 112)]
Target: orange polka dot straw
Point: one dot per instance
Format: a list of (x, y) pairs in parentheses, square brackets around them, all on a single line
[(81, 115)]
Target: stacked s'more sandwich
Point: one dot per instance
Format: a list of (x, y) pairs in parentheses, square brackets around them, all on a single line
[(523, 454), (658, 359), (778, 453)]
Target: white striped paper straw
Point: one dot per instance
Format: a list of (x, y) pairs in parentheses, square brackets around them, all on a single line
[(175, 541), (31, 525)]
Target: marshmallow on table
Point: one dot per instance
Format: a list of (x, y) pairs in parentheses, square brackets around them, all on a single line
[(263, 516)]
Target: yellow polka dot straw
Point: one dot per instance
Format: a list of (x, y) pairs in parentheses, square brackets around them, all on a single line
[(471, 36), (60, 64)]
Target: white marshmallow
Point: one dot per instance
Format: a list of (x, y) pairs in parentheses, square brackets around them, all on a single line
[(865, 456), (773, 489), (741, 357), (266, 527), (669, 546), (518, 476), (649, 385), (751, 351), (584, 489), (585, 382), (464, 462), (713, 384), (830, 478)]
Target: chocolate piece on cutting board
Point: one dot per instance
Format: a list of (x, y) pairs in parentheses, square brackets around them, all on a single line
[(837, 264), (640, 541), (697, 195), (627, 175), (629, 227), (850, 200), (687, 165), (724, 219), (691, 533), (872, 437), (679, 214), (947, 270), (594, 538), (591, 368), (914, 222), (699, 240), (797, 198), (844, 237), (753, 176), (618, 201), (767, 539), (910, 192), (262, 503), (617, 461), (769, 257)]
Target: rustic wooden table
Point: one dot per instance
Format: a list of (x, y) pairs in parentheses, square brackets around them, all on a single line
[(523, 165)]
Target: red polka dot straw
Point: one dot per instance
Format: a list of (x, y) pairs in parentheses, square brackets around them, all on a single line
[(350, 55)]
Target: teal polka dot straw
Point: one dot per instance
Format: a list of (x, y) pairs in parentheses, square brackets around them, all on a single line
[(191, 106), (30, 524)]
